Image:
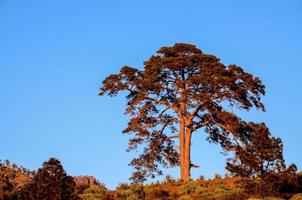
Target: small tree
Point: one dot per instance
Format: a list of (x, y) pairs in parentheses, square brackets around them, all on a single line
[(257, 153), (180, 91), (50, 182)]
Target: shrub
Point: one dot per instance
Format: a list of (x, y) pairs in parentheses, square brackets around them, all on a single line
[(94, 193), (123, 186), (156, 194), (297, 197), (134, 192), (276, 185), (169, 179), (191, 187), (122, 194), (185, 197)]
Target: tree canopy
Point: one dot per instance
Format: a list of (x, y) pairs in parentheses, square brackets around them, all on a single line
[(257, 153), (50, 182), (179, 91)]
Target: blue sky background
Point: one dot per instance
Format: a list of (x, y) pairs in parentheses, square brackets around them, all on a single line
[(55, 54)]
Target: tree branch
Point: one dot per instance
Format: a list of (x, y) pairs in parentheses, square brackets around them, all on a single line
[(167, 108), (173, 136), (200, 125), (163, 103), (194, 113)]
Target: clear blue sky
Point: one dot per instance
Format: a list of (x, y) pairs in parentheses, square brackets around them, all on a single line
[(55, 54)]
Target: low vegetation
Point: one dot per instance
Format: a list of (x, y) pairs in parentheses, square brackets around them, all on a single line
[(51, 182)]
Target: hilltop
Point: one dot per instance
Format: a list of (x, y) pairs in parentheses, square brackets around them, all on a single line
[(18, 183)]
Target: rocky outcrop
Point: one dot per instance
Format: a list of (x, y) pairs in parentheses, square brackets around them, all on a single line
[(16, 175), (83, 182)]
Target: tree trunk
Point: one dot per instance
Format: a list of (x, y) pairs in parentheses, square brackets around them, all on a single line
[(182, 148), (184, 138), (187, 155), (185, 151)]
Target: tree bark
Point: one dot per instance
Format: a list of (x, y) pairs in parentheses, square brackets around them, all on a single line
[(187, 154), (185, 137), (182, 148), (185, 134)]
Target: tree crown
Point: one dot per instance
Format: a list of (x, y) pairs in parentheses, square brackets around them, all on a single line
[(181, 84)]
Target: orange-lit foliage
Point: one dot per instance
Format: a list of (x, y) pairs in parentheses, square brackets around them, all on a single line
[(179, 91), (50, 182), (257, 153)]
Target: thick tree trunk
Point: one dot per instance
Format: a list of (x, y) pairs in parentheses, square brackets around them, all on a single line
[(185, 151), (184, 137), (182, 148), (187, 155)]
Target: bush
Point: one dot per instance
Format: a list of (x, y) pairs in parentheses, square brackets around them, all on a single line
[(297, 197), (275, 185), (169, 179), (185, 197), (225, 194), (156, 194), (122, 194), (94, 193), (191, 187), (235, 194), (134, 192), (123, 186)]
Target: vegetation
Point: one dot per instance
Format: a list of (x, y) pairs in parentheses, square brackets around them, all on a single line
[(180, 91), (218, 188), (94, 193), (257, 154), (52, 183)]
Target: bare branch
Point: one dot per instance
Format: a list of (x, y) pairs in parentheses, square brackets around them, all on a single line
[(173, 136)]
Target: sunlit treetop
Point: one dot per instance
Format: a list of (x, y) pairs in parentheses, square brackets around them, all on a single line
[(179, 91)]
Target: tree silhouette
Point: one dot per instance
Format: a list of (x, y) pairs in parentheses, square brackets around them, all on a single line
[(50, 182), (257, 153), (7, 190), (179, 91)]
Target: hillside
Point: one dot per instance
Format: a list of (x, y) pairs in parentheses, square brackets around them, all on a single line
[(18, 183)]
